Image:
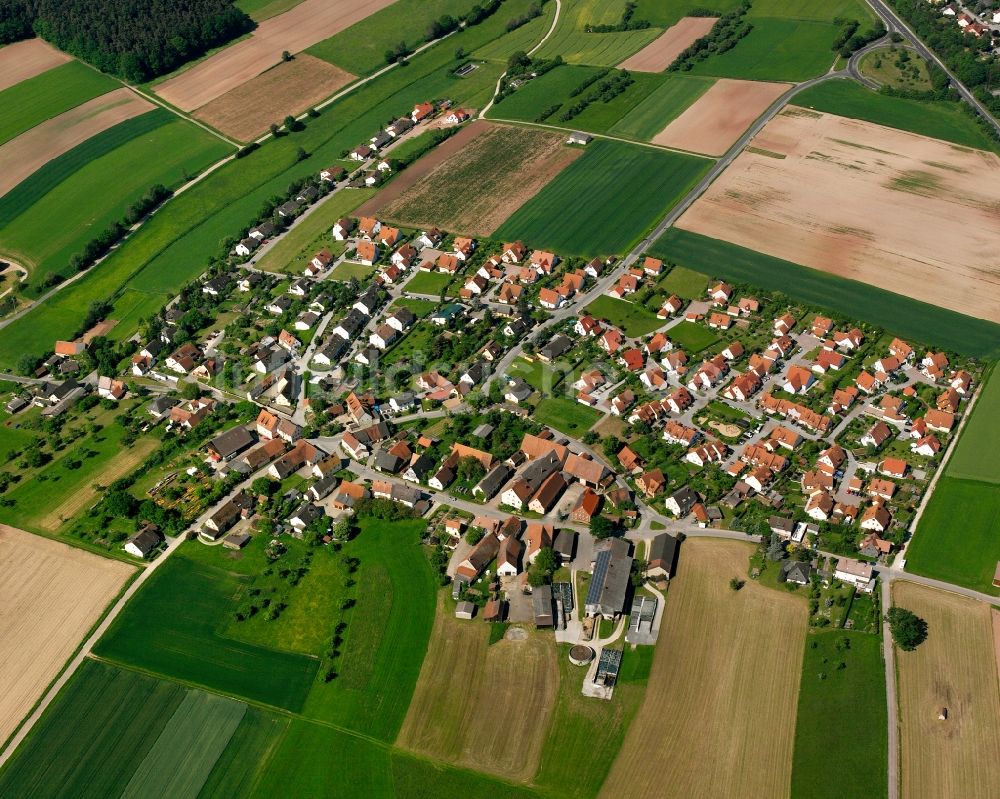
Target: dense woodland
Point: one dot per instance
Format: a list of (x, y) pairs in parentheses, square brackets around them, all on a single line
[(133, 39)]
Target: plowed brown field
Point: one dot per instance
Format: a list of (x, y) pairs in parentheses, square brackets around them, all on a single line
[(309, 22), (660, 53), (23, 60), (903, 212), (50, 596)]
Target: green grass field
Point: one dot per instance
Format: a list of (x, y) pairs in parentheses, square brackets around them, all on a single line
[(554, 87), (387, 632), (958, 536), (188, 747), (685, 283), (656, 180), (827, 11), (537, 374), (164, 154), (840, 735), (566, 415), (576, 46), (49, 94), (776, 49), (171, 628), (628, 316), (664, 14), (247, 755), (360, 49), (348, 270), (259, 10), (174, 245), (585, 736), (692, 337), (661, 107), (908, 318), (420, 308), (939, 119), (88, 744), (887, 67), (295, 248), (975, 453), (428, 282), (523, 38)]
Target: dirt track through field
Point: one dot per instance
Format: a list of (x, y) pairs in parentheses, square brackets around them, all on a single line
[(955, 668), (480, 706), (718, 118), (50, 595), (23, 60), (306, 24), (288, 88), (475, 180), (83, 496), (906, 213), (34, 148), (661, 53), (721, 700)]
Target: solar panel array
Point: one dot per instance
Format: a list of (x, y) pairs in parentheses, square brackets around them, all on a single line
[(600, 575)]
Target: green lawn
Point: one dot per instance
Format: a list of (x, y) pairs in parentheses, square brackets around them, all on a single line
[(566, 415), (171, 627), (428, 283), (907, 318), (175, 244), (958, 536), (360, 49), (554, 87), (939, 119), (537, 374), (165, 154), (656, 180), (692, 337), (307, 236), (584, 736), (974, 457), (685, 283), (576, 46), (420, 308), (840, 735), (628, 316), (662, 106), (89, 742), (49, 94), (348, 270), (387, 632), (776, 49), (888, 68)]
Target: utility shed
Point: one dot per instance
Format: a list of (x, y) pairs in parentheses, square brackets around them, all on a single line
[(465, 610), (541, 599)]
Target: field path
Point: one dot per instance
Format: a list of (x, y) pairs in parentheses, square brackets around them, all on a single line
[(84, 651), (34, 148)]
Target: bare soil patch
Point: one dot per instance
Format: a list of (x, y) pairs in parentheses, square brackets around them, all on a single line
[(513, 682), (662, 52), (51, 595), (710, 725), (955, 668), (289, 88), (84, 496), (306, 24), (865, 202), (23, 60), (475, 180), (31, 150), (102, 328), (720, 116)]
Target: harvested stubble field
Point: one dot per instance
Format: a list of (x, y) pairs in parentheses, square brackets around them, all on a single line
[(306, 24), (288, 88), (955, 668), (475, 180), (51, 594), (867, 203), (20, 157), (718, 118), (517, 680), (23, 60), (706, 696), (660, 54)]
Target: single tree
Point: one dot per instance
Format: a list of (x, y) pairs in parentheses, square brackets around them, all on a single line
[(908, 629)]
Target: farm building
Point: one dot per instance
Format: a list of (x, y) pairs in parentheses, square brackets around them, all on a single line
[(662, 557), (609, 586)]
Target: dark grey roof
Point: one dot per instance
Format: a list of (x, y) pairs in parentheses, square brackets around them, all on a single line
[(496, 477), (146, 540), (308, 513), (385, 462), (541, 600), (558, 346), (663, 551), (323, 486), (232, 441), (565, 542), (797, 571), (612, 570)]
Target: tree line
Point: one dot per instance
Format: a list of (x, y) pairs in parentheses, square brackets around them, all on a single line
[(134, 39)]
